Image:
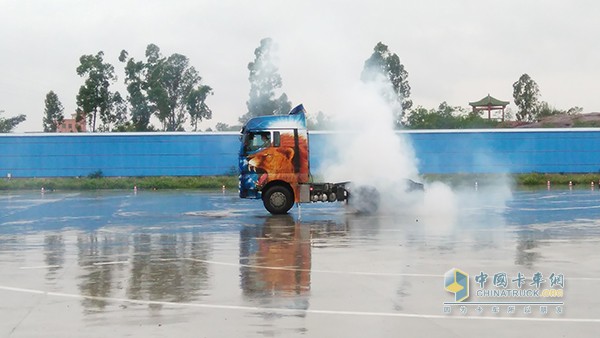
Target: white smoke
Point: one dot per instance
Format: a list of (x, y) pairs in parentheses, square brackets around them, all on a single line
[(368, 151), (366, 148)]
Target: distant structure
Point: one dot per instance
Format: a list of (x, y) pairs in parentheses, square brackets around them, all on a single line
[(71, 125), (489, 103)]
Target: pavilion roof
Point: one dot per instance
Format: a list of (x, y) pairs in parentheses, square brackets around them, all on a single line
[(489, 101)]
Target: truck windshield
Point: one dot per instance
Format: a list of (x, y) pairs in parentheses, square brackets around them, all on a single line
[(254, 141)]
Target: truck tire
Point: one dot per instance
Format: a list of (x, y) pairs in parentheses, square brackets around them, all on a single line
[(278, 199)]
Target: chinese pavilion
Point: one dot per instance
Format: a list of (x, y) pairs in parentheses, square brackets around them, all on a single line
[(489, 103)]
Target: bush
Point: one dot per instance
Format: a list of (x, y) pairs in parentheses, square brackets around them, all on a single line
[(96, 174)]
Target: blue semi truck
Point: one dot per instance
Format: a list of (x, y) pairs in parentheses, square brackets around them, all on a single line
[(274, 166)]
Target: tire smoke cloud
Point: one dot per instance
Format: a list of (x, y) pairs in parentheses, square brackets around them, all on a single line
[(367, 150)]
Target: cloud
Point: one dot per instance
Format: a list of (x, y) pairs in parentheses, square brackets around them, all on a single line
[(454, 51)]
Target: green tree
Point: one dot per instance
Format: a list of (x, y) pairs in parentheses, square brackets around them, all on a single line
[(53, 112), (574, 110), (196, 105), (120, 118), (544, 109), (8, 124), (387, 64), (446, 117), (525, 95), (172, 81), (167, 87), (141, 108), (264, 81), (94, 98), (422, 118), (221, 126)]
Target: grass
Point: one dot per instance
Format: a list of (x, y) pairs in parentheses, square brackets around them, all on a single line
[(523, 180), (217, 182), (100, 183), (558, 179)]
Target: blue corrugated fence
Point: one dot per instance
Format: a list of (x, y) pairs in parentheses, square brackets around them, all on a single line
[(201, 154)]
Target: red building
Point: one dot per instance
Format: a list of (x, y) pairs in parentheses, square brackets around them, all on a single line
[(71, 125)]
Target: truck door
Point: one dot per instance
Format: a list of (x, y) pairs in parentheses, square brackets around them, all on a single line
[(253, 142)]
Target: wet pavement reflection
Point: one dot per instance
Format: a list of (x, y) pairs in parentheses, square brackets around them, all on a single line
[(275, 260), (209, 264)]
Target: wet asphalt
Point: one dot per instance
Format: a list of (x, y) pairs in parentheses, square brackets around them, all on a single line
[(208, 264)]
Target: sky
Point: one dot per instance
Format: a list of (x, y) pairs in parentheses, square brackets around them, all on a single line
[(454, 51)]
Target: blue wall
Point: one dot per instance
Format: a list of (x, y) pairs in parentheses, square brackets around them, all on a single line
[(190, 154), (118, 154), (509, 151)]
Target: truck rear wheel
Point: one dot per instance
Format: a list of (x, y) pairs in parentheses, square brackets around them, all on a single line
[(278, 199)]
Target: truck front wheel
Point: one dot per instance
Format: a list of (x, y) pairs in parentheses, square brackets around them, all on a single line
[(278, 199)]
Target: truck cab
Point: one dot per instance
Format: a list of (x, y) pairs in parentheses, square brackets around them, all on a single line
[(274, 163)]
